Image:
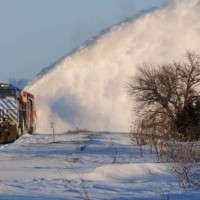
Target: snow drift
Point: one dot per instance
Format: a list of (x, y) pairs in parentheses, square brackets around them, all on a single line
[(86, 88)]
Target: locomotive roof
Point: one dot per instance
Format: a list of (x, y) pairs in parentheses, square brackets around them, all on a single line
[(8, 86)]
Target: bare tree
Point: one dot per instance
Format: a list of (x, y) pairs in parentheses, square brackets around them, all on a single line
[(168, 110), (168, 97)]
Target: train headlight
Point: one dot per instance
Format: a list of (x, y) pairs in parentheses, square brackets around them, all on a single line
[(12, 123)]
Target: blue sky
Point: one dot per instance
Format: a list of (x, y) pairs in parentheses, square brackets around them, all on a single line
[(36, 33)]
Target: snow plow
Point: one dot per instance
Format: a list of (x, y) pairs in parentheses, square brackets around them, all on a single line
[(17, 113)]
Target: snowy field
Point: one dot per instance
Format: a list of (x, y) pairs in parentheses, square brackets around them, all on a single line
[(87, 165)]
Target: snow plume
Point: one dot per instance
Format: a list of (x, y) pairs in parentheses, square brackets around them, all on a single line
[(86, 89)]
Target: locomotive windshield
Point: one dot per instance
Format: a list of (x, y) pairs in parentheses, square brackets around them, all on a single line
[(7, 93)]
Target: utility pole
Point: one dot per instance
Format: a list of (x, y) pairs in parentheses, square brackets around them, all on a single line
[(52, 126)]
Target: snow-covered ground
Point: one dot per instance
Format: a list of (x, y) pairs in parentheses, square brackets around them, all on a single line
[(87, 165)]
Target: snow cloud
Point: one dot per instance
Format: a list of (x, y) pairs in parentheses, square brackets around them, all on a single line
[(86, 89)]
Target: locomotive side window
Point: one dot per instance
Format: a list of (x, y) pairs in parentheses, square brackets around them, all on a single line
[(7, 93)]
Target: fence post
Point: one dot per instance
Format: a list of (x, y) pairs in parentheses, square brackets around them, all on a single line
[(52, 126)]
